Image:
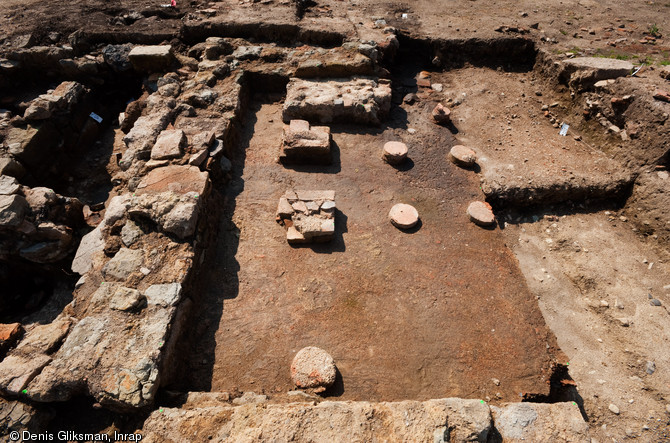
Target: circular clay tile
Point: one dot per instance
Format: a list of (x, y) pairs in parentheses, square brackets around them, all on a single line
[(395, 152), (403, 216), (463, 156), (313, 367), (481, 213)]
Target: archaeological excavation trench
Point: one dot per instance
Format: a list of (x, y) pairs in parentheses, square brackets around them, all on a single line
[(146, 279)]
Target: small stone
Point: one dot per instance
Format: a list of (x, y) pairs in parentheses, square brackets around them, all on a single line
[(182, 219), (441, 115), (495, 381), (423, 82), (655, 302), (604, 303), (409, 98), (9, 333), (8, 185), (130, 233), (300, 206), (250, 398), (650, 367), (662, 95), (284, 208), (125, 299), (197, 158), (168, 145), (312, 207), (437, 87), (481, 213), (328, 205), (614, 408), (395, 152), (293, 236), (165, 295), (216, 149), (13, 209), (313, 367), (9, 166), (404, 216), (125, 262), (462, 156)]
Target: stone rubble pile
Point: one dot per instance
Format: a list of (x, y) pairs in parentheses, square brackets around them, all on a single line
[(308, 216), (36, 224), (115, 340), (53, 128)]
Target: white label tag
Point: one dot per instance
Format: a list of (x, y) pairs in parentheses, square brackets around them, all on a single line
[(96, 117), (564, 130)]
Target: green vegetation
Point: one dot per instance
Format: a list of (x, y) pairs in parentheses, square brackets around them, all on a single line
[(654, 31), (563, 31), (613, 54)]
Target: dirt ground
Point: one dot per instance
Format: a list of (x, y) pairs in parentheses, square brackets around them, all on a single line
[(594, 278), (439, 311), (409, 315)]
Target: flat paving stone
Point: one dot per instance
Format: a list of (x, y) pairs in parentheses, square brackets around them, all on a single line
[(404, 216), (395, 152), (481, 213), (463, 156)]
